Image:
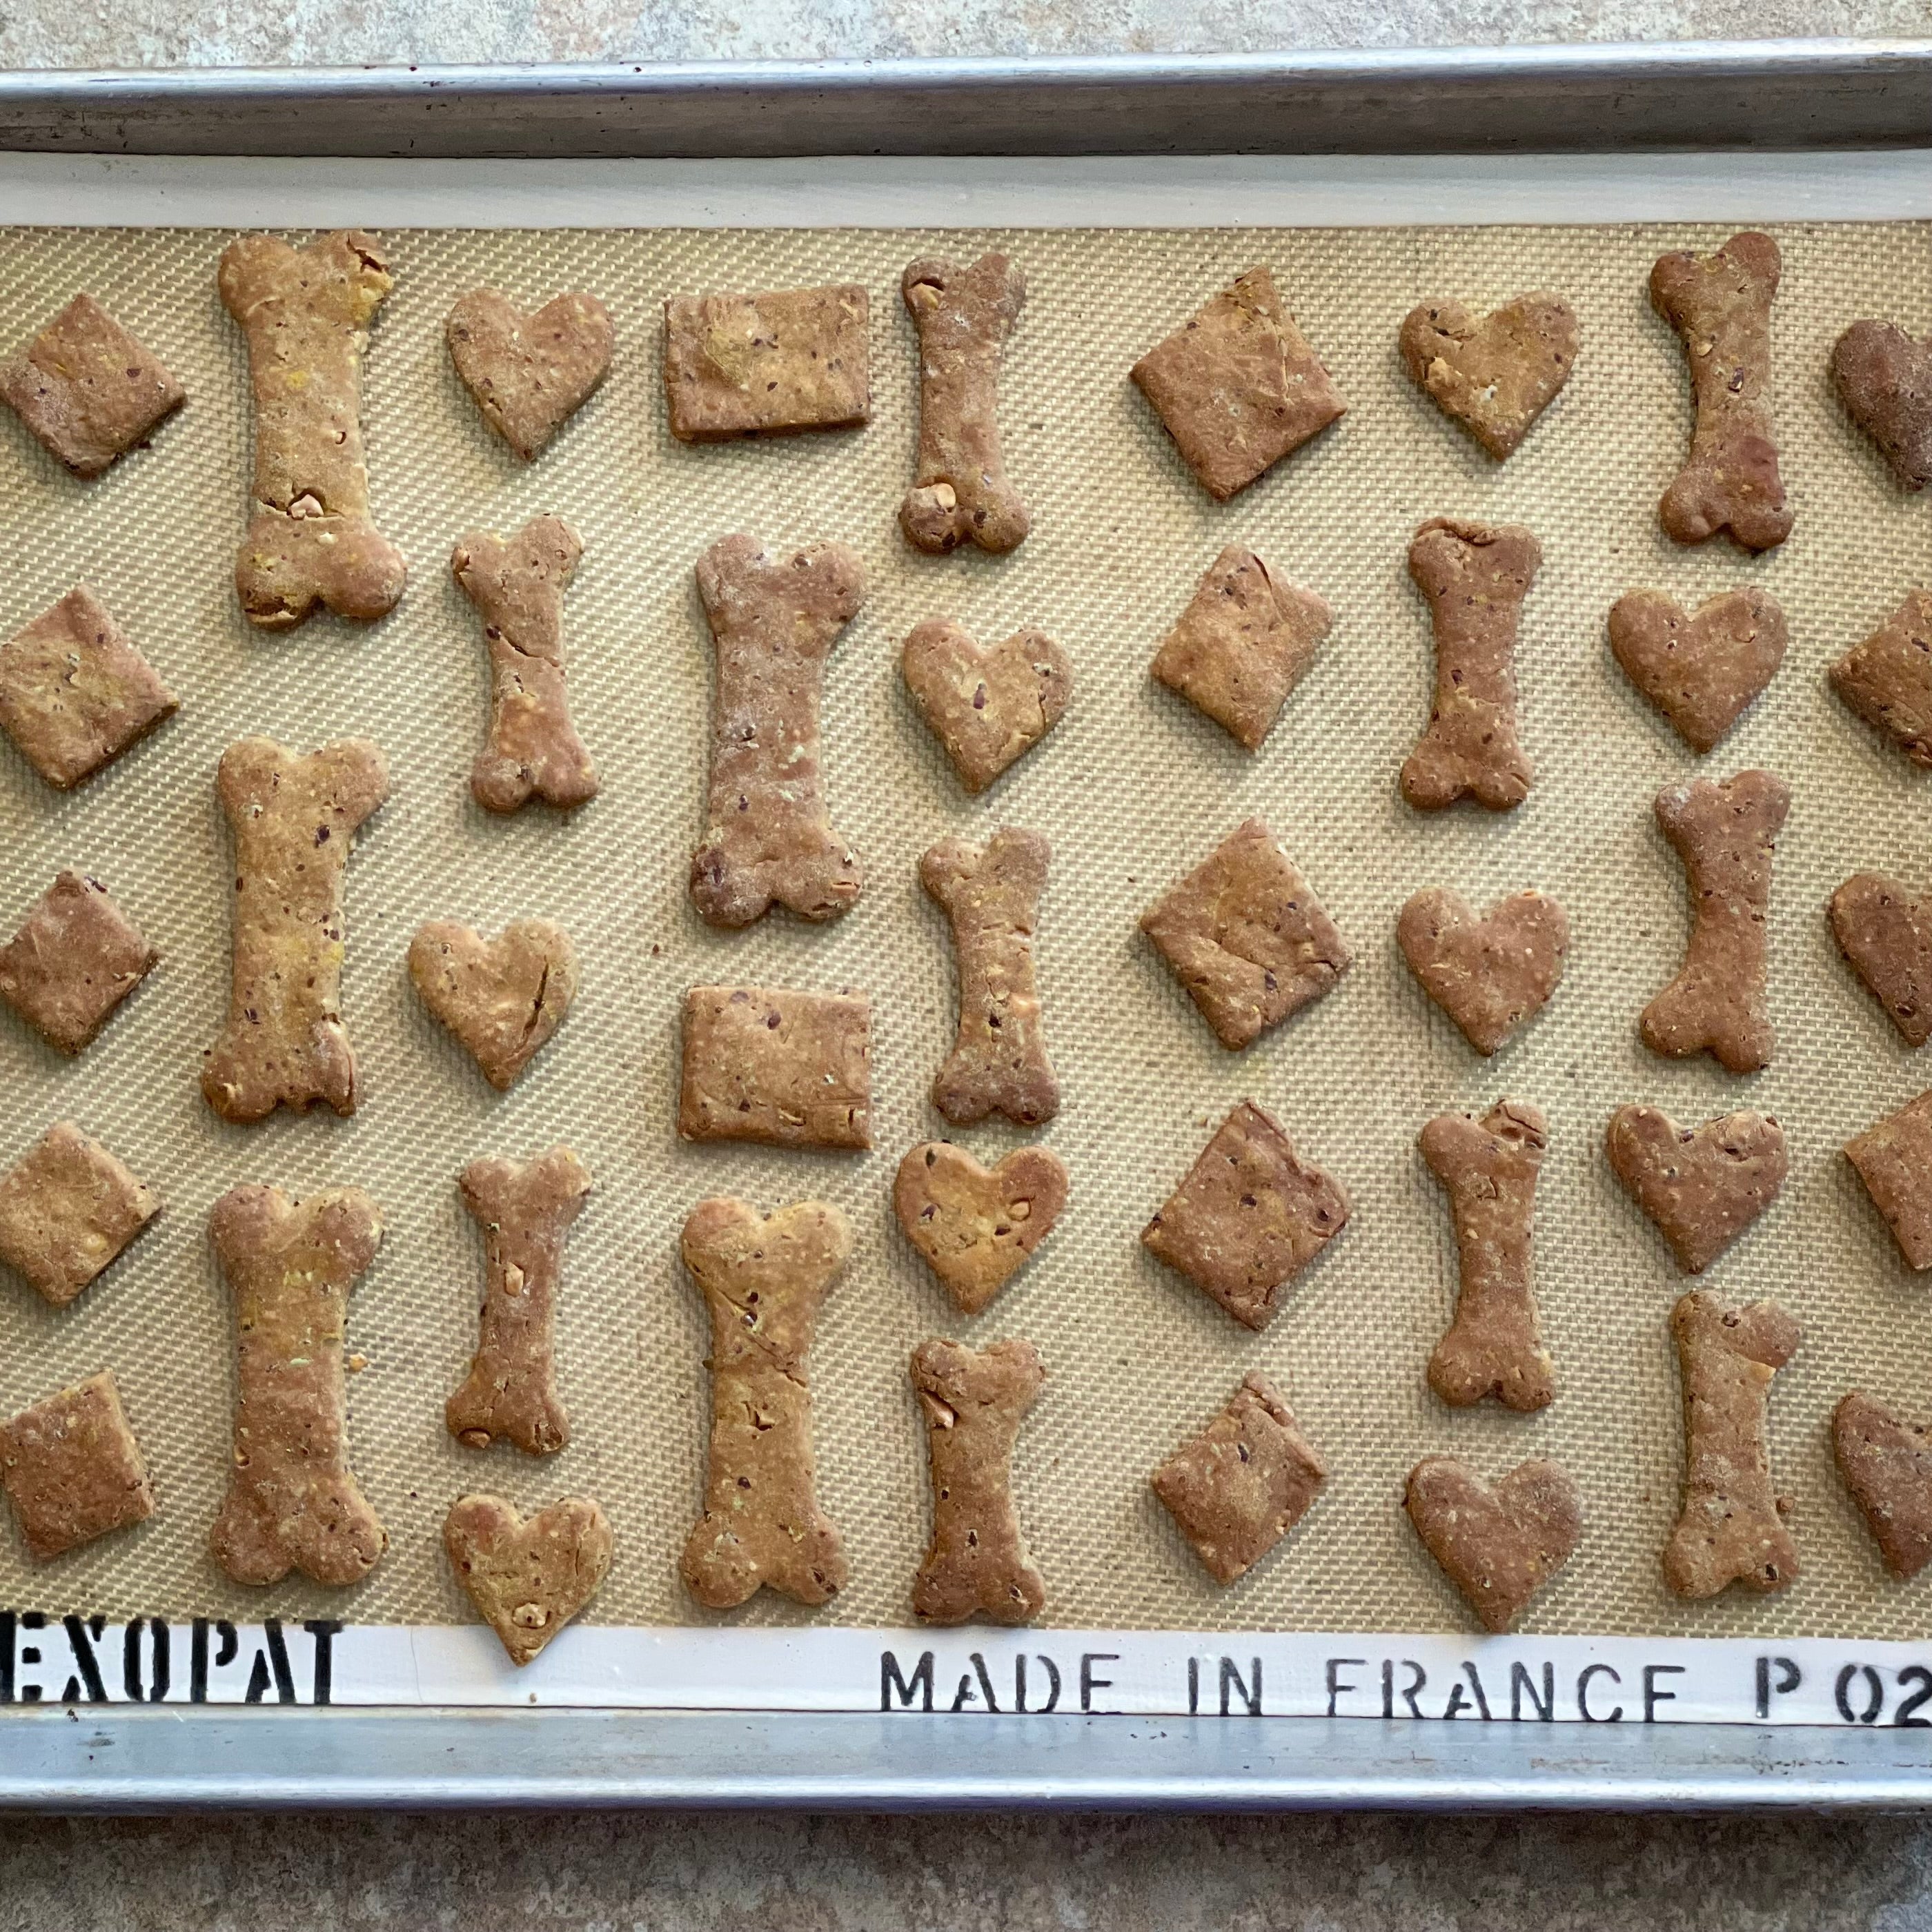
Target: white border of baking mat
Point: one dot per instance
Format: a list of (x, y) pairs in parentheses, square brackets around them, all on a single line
[(1625, 1680), (894, 191)]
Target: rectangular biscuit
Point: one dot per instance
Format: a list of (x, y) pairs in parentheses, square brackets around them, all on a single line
[(74, 693), (744, 365), (769, 1063)]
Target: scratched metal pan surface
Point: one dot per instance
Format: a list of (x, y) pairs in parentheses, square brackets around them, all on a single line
[(1805, 95)]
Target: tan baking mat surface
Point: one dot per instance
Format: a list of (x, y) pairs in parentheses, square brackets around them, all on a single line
[(1133, 787)]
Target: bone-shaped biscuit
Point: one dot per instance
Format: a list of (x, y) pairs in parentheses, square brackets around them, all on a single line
[(1475, 577), (974, 1401), (1726, 835), (305, 313), (991, 894), (773, 622), (763, 1278), (1732, 1529), (1494, 1346), (525, 1208), (516, 585), (963, 317), (1719, 306), (293, 1503), (293, 821)]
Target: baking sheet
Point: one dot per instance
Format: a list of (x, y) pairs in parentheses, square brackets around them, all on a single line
[(1133, 787)]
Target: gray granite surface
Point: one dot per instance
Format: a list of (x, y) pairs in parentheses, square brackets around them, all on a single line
[(778, 1874)]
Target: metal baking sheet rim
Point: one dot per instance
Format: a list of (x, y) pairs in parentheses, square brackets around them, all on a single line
[(1816, 95)]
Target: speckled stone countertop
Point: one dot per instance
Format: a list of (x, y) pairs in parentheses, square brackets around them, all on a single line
[(780, 1874)]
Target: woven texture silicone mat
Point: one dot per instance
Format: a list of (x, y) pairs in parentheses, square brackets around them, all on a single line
[(1133, 787)]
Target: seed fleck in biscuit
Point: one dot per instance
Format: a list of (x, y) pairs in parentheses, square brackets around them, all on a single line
[(67, 1209)]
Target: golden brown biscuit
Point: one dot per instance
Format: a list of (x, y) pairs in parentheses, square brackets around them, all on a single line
[(88, 390), (1249, 1217), (1493, 975), (1497, 375), (1886, 1464), (763, 1278), (1700, 669), (1887, 679), (766, 364), (1894, 1159), (1703, 1186), (772, 1064), (527, 1576), (502, 997), (528, 373), (67, 1209), (987, 704), (1499, 1546), (76, 958), (72, 1469), (976, 1227)]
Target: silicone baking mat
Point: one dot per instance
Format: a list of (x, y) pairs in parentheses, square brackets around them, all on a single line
[(1133, 787)]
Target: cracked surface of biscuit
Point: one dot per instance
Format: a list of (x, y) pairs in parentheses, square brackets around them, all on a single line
[(502, 998)]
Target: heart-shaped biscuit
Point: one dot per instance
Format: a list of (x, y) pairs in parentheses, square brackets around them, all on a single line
[(1885, 934), (976, 1226), (1490, 975), (1500, 1546), (1887, 1465), (1884, 378), (1701, 669), (529, 373), (1497, 375), (502, 997), (985, 703), (529, 1578), (1703, 1186)]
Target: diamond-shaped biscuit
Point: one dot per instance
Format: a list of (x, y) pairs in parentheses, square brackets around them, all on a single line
[(74, 693), (1249, 1215), (1237, 387), (77, 958), (1243, 1482), (72, 1468), (1242, 644), (68, 1208), (87, 389), (1247, 936)]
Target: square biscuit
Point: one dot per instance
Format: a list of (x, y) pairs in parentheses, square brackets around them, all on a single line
[(72, 1468), (77, 957), (1249, 1217), (74, 693), (68, 1208), (1237, 387), (772, 1064), (748, 365), (1243, 1482), (87, 389), (1247, 936)]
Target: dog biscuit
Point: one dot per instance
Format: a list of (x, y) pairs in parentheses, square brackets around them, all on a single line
[(1885, 931), (1703, 1186), (1732, 1529), (1242, 644), (1495, 1346), (1499, 1545), (772, 1064), (525, 1209), (1237, 387), (293, 1502), (973, 1401), (1249, 1217), (305, 314), (987, 704), (1884, 379), (773, 623), (963, 317), (529, 374), (1493, 975), (1701, 669), (294, 820), (1246, 937), (74, 693), (503, 998), (1893, 1159), (1496, 375), (87, 390), (763, 1278), (72, 1469), (1475, 577), (1887, 679), (527, 1576), (1243, 1482), (516, 585), (67, 1209), (766, 364), (76, 958), (976, 1227), (1886, 1464)]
